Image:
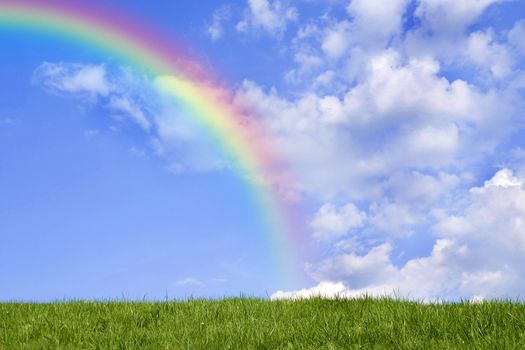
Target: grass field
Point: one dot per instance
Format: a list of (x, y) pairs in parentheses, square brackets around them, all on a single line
[(258, 324)]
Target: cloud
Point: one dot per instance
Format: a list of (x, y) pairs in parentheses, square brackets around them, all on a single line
[(333, 222), (367, 14), (215, 30), (138, 152), (271, 16), (401, 115), (410, 186), (125, 105), (190, 281), (517, 36), (395, 219), (361, 29), (478, 253), (95, 84), (328, 290), (450, 17), (336, 41), (169, 128), (359, 271), (89, 80), (484, 51), (443, 33)]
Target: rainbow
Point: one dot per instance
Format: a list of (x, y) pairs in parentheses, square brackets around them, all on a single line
[(241, 138)]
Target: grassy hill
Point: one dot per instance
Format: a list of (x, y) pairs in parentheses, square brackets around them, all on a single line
[(260, 324)]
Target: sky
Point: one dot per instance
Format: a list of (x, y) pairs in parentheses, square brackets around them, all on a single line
[(401, 122)]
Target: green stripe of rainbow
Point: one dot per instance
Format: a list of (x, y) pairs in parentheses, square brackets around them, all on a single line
[(240, 138)]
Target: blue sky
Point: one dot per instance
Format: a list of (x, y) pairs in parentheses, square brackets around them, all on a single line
[(401, 120)]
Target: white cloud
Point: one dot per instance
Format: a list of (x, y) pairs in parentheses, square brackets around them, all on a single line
[(444, 34), (450, 17), (333, 222), (376, 21), (478, 254), (330, 290), (358, 271), (129, 108), (138, 152), (413, 89), (362, 28), (337, 40), (126, 95), (190, 281), (271, 16), (327, 290), (503, 178), (393, 219), (423, 188), (517, 36), (343, 39), (485, 52), (431, 146), (82, 79), (325, 78), (401, 115), (117, 92), (215, 30)]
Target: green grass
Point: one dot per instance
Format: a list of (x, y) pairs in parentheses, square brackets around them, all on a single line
[(258, 324)]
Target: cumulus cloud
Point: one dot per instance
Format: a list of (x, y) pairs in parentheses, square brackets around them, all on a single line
[(396, 219), (332, 221), (477, 253), (376, 21), (359, 271), (330, 290), (362, 29), (409, 186), (450, 17), (401, 115), (336, 41), (444, 33), (271, 16), (484, 51), (341, 46)]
